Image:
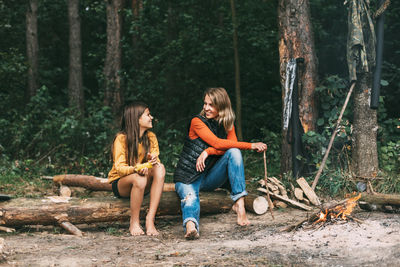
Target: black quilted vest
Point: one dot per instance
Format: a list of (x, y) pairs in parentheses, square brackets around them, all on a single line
[(185, 171)]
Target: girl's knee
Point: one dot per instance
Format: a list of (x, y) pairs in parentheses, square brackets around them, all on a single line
[(160, 169), (139, 182)]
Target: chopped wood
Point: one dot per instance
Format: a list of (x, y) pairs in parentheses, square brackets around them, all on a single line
[(287, 200), (308, 191), (64, 191), (279, 204), (298, 193), (273, 188), (274, 185), (1, 249), (7, 229), (256, 204), (71, 228), (24, 211)]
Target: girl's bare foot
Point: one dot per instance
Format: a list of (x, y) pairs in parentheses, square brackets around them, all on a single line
[(150, 227), (191, 231), (135, 229), (240, 210)]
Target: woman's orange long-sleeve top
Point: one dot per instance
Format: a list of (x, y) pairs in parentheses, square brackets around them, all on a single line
[(218, 146)]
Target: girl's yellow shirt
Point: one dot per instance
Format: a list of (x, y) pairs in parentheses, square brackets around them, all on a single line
[(120, 166)]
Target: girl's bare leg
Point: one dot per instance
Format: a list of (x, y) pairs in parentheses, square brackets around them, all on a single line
[(133, 185), (240, 210), (158, 173)]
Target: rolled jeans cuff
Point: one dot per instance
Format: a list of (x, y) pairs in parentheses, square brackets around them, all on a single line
[(193, 220), (239, 195)]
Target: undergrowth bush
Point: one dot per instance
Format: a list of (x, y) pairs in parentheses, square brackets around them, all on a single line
[(54, 140)]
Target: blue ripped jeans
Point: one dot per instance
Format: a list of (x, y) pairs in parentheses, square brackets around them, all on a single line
[(229, 166)]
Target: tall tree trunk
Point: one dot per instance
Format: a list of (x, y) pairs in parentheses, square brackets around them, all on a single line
[(364, 154), (296, 40), (137, 6), (112, 65), (32, 47), (75, 83), (237, 74)]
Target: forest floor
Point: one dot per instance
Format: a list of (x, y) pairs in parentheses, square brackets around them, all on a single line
[(374, 242)]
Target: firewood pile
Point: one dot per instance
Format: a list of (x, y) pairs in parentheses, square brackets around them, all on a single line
[(336, 213), (301, 197)]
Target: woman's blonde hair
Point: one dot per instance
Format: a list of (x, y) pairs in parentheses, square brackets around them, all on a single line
[(221, 101)]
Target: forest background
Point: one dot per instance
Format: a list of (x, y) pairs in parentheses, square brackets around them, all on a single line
[(170, 52)]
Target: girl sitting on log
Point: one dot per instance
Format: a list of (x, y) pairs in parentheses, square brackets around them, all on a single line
[(211, 158), (136, 167)]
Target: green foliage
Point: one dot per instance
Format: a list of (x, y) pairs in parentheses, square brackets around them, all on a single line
[(57, 138), (172, 51), (331, 94), (390, 157)]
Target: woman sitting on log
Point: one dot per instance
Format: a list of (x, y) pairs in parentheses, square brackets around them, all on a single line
[(136, 166), (211, 158)]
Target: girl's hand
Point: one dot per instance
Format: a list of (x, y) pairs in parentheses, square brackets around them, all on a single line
[(200, 163), (259, 147), (143, 172), (152, 159)]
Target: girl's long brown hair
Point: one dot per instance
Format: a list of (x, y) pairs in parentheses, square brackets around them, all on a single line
[(130, 127)]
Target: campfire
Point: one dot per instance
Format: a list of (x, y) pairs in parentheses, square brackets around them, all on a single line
[(340, 211), (334, 213)]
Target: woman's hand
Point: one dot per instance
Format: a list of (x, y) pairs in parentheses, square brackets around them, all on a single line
[(201, 161), (259, 147)]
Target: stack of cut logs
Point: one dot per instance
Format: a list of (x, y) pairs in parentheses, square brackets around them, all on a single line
[(303, 194)]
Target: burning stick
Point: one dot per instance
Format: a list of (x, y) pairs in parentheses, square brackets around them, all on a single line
[(266, 180), (338, 211)]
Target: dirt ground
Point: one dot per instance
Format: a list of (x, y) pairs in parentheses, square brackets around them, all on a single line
[(374, 242)]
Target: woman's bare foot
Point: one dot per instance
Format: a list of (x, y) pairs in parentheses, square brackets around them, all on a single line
[(240, 210), (135, 229), (150, 227), (191, 231)]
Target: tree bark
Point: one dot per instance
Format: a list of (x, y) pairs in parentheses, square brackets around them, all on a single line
[(32, 47), (296, 40), (237, 74), (112, 65), (365, 128), (137, 6), (25, 211), (75, 82)]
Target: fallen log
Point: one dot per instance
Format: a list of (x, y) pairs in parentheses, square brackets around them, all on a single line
[(381, 199), (55, 210), (86, 181), (94, 183)]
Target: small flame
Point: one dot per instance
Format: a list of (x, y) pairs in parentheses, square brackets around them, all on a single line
[(339, 211)]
